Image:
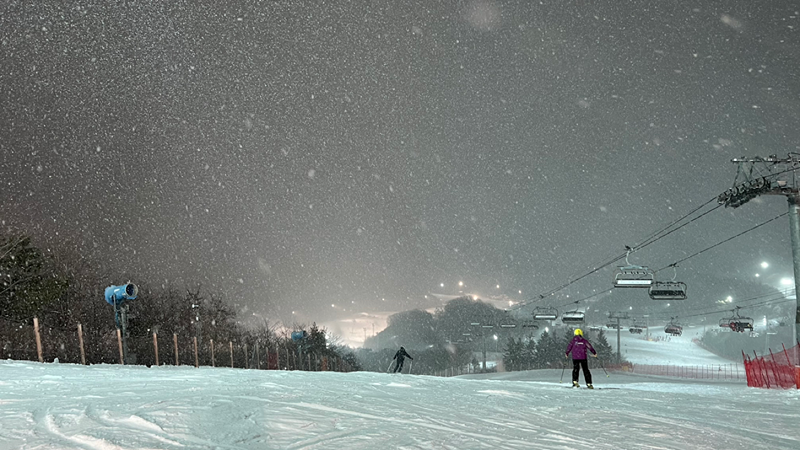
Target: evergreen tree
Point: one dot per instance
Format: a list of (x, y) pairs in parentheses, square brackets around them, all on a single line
[(547, 353), (529, 354), (603, 348), (513, 355), (28, 279)]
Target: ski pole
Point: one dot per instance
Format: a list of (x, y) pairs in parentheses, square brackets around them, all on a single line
[(390, 366), (563, 368), (411, 366), (601, 366)]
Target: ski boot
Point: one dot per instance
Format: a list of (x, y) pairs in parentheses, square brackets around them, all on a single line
[(590, 386), (575, 384)]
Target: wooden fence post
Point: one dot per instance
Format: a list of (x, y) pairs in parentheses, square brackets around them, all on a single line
[(80, 341), (119, 342), (38, 339), (196, 362), (175, 341), (212, 353), (230, 344), (155, 346)]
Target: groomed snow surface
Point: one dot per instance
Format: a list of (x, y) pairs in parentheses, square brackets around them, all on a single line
[(103, 407)]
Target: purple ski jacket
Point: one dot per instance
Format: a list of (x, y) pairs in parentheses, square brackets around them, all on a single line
[(578, 348)]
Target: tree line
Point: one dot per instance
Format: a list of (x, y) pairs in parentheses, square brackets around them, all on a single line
[(62, 292), (549, 351)]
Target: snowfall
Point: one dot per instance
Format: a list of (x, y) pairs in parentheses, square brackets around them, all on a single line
[(103, 407)]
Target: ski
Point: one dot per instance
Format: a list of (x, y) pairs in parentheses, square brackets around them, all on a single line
[(584, 387)]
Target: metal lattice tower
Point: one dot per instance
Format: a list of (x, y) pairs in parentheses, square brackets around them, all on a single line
[(771, 176), (618, 315), (761, 176)]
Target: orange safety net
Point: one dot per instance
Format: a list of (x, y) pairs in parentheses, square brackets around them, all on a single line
[(776, 370)]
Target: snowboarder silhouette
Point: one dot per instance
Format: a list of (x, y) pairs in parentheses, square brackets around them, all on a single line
[(578, 347), (400, 356)]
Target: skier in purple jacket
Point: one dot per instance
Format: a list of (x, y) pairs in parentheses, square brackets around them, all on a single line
[(578, 347)]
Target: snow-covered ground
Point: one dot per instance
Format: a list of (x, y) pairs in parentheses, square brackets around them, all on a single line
[(104, 407), (671, 350)]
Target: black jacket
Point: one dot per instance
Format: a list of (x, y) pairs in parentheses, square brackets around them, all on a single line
[(401, 354)]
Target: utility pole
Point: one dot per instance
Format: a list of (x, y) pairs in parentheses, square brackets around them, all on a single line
[(771, 176), (618, 315)]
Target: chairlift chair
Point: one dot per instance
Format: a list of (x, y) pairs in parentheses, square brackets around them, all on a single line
[(545, 313), (633, 277), (673, 328), (668, 290), (530, 325), (636, 328), (737, 323), (741, 324), (573, 317)]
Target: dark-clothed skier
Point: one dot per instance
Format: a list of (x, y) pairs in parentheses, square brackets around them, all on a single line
[(399, 356), (578, 347)]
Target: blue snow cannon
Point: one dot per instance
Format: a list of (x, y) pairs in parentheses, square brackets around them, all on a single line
[(116, 295), (299, 335)]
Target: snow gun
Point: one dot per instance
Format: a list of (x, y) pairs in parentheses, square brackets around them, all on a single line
[(116, 295)]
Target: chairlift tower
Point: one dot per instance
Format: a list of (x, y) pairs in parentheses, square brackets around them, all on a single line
[(771, 176), (618, 315)]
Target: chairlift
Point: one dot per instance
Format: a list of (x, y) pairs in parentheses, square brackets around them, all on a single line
[(636, 328), (668, 290), (633, 276), (737, 323), (530, 325), (545, 313), (573, 317), (673, 328)]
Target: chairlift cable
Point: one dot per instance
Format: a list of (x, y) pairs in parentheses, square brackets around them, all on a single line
[(653, 235), (722, 242), (774, 301), (645, 244), (653, 238)]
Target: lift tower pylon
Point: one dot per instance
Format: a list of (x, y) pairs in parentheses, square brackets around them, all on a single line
[(771, 176), (618, 315)]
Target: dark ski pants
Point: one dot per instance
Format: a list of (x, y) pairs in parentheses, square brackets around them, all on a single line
[(577, 364), (399, 366)]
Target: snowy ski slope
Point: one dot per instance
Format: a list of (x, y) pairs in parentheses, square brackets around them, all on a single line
[(105, 407)]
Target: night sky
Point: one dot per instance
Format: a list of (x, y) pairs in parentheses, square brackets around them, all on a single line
[(298, 154)]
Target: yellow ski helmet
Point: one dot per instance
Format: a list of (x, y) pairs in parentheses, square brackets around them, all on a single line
[(578, 332)]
